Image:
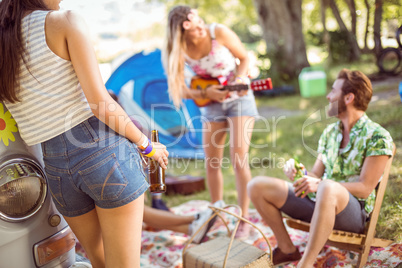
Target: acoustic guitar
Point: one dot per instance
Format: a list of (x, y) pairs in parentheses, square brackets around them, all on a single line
[(198, 83)]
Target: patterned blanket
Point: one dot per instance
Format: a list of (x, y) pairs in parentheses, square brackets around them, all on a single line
[(163, 248)]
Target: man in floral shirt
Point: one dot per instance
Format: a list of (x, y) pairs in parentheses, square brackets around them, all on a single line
[(338, 193), (345, 164)]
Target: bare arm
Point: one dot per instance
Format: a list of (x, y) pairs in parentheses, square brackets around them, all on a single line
[(373, 168), (318, 168), (79, 50), (309, 183), (229, 39)]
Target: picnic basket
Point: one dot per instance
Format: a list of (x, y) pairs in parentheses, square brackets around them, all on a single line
[(226, 251)]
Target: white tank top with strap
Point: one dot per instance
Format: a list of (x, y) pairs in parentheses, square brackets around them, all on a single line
[(51, 98), (218, 62)]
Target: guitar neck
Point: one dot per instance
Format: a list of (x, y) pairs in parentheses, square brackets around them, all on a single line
[(235, 87), (198, 83), (257, 85)]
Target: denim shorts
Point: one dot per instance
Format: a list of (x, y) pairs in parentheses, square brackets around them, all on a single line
[(92, 165), (351, 219), (242, 106)]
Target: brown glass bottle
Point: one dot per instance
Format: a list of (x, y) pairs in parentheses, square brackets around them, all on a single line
[(155, 171)]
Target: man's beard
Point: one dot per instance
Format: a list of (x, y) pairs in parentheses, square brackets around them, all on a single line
[(337, 107)]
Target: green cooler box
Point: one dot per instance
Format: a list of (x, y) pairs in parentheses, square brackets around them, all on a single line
[(313, 82)]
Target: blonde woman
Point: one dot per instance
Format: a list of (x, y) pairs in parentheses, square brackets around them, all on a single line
[(211, 51), (51, 84)]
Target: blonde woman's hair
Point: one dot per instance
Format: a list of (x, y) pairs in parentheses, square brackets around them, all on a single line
[(173, 54)]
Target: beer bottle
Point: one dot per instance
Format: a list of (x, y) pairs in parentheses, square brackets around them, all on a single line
[(155, 171)]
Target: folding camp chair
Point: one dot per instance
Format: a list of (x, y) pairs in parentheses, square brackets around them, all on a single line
[(360, 243)]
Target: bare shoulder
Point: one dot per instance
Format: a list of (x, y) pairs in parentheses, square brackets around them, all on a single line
[(65, 21), (62, 28), (223, 32), (225, 36)]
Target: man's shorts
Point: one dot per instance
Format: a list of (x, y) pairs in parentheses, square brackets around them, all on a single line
[(351, 219)]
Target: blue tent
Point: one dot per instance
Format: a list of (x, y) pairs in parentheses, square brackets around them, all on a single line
[(141, 85)]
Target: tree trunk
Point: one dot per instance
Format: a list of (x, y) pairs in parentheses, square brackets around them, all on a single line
[(377, 26), (355, 50), (326, 37), (282, 31), (352, 9), (366, 48)]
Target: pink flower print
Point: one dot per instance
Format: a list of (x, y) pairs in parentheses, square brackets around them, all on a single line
[(375, 263), (396, 250), (215, 47), (219, 66), (176, 248), (193, 13), (198, 70), (190, 16), (186, 25)]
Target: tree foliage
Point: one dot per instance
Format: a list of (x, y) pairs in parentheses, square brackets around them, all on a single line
[(239, 15), (342, 28)]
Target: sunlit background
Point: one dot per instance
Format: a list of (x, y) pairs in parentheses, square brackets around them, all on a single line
[(121, 26)]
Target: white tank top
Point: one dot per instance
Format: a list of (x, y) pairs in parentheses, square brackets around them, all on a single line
[(51, 98)]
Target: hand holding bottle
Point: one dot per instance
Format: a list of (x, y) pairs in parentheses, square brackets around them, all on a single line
[(154, 150), (161, 154), (306, 185), (157, 165), (301, 171), (289, 169), (296, 171)]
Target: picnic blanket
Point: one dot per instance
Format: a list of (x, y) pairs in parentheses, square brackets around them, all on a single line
[(163, 248)]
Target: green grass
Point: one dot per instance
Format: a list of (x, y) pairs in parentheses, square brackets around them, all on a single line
[(294, 135)]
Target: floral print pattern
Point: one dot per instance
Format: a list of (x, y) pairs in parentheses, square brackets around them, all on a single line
[(366, 139), (219, 62), (8, 126), (161, 248)]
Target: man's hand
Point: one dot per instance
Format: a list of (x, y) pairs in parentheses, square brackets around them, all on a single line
[(289, 169), (306, 185)]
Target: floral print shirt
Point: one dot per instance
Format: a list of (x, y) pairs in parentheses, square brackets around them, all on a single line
[(366, 139)]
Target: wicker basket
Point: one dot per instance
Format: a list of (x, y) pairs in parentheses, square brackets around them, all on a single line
[(226, 251)]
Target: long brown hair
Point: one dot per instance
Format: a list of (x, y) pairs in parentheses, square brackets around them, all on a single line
[(173, 54), (11, 46)]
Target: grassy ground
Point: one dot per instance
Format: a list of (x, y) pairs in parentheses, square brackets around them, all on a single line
[(281, 136)]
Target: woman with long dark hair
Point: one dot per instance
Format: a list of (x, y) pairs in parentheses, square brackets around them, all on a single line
[(51, 84)]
